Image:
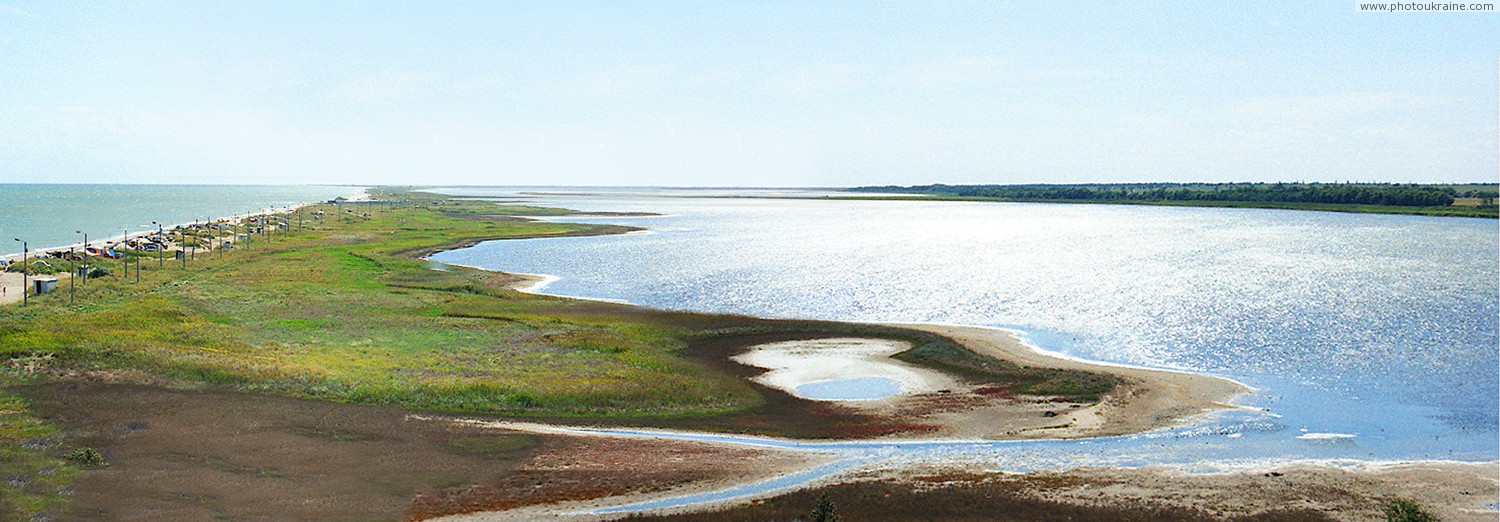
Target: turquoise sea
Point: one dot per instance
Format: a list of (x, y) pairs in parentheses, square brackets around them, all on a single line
[(51, 215)]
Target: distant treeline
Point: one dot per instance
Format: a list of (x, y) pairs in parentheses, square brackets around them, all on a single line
[(1327, 193)]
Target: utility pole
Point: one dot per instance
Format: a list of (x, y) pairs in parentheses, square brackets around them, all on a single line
[(161, 248), (73, 276), (85, 258)]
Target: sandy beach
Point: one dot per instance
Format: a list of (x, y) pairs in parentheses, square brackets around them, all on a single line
[(11, 283), (1151, 398)]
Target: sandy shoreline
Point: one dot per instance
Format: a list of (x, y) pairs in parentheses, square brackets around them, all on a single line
[(1151, 399), (12, 283), (364, 196)]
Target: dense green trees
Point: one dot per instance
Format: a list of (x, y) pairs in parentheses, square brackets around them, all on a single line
[(1333, 193)]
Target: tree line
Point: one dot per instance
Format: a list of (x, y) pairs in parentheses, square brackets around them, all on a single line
[(1406, 195)]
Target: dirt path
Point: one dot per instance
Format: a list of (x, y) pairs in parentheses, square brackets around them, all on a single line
[(11, 285)]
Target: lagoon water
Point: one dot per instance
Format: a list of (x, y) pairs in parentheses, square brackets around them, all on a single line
[(48, 215), (850, 389), (1378, 330)]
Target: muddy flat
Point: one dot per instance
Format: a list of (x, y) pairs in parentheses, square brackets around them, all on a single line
[(195, 455)]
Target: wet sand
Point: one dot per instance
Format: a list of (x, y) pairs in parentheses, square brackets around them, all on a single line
[(1151, 399), (792, 364)]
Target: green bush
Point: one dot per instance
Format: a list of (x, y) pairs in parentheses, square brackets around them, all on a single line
[(1402, 510), (86, 457), (824, 511), (33, 267)]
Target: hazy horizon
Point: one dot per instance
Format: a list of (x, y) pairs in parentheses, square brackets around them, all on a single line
[(664, 94)]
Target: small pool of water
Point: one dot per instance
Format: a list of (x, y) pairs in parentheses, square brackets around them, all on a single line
[(850, 389)]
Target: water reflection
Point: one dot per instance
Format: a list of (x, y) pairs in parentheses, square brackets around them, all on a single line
[(1383, 327)]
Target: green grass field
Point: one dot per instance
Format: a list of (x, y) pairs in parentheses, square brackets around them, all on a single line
[(342, 308), (340, 311)]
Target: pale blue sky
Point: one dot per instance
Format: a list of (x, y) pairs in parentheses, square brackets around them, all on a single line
[(743, 93)]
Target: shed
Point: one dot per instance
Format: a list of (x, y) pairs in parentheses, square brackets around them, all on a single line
[(43, 284)]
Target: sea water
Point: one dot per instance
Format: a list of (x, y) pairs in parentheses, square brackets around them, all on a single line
[(1367, 337), (51, 215)]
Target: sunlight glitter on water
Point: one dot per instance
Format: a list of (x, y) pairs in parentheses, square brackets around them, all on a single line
[(1381, 326)]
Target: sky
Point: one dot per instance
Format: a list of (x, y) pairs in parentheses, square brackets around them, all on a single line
[(764, 93)]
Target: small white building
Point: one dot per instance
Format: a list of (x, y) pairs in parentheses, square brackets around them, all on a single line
[(43, 285)]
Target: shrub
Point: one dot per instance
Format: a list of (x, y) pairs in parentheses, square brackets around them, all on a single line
[(824, 511), (1402, 510), (33, 267), (86, 457)]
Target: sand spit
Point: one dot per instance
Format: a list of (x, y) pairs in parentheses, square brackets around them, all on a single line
[(1152, 399)]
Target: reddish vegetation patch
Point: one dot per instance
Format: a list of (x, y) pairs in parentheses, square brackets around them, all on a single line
[(584, 468), (996, 391), (185, 455)]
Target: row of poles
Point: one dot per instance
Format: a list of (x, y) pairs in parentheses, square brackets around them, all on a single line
[(185, 252)]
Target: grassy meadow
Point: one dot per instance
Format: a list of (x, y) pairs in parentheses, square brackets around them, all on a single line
[(341, 308)]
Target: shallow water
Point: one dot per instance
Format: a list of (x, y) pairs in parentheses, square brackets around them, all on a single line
[(1383, 328), (851, 389)]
